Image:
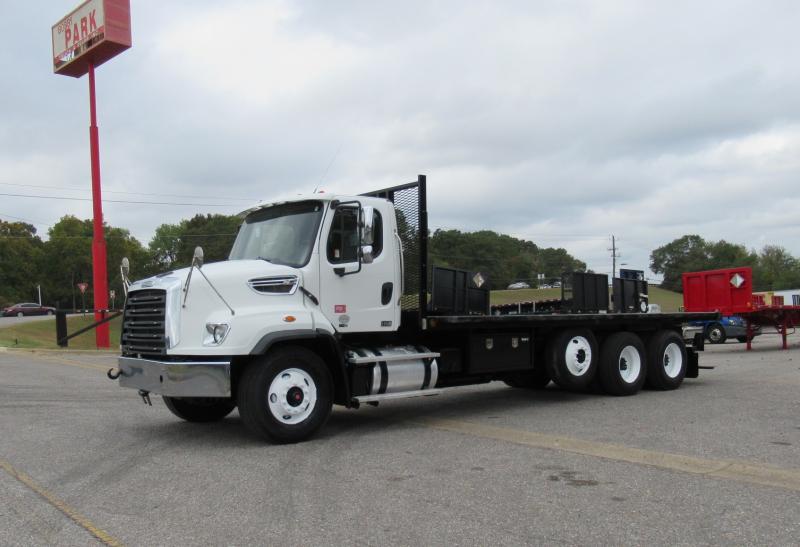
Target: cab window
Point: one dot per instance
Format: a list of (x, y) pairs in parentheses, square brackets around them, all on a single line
[(343, 238), (377, 238), (343, 241)]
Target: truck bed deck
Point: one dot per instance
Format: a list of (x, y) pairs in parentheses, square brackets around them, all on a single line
[(637, 320)]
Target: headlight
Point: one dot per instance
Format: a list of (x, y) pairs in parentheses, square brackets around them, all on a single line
[(215, 333)]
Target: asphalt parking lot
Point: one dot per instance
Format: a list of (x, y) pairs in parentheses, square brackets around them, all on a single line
[(83, 461)]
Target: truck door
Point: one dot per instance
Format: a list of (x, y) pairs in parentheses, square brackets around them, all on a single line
[(357, 296)]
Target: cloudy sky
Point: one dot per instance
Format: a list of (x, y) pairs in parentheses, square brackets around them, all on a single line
[(559, 122)]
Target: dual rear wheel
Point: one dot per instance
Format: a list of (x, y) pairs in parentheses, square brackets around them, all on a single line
[(623, 364)]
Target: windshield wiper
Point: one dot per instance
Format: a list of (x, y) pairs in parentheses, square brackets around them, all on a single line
[(274, 261)]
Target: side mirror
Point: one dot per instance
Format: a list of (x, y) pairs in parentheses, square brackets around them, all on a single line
[(197, 260), (367, 222), (366, 254)]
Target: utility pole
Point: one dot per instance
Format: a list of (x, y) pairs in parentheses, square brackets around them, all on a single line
[(614, 257)]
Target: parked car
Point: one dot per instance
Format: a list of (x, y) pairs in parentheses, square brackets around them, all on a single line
[(28, 308), (731, 326), (519, 285)]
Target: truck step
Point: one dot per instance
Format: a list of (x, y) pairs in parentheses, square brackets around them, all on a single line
[(399, 395), (358, 360)]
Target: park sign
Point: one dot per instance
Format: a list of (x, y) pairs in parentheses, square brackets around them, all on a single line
[(94, 32)]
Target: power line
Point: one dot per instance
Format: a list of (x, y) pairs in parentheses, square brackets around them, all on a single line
[(116, 191), (119, 201)]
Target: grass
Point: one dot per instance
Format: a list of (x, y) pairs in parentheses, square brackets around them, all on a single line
[(42, 334), (668, 300)]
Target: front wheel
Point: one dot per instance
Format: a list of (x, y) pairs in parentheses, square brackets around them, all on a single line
[(49, 312), (199, 409), (20, 314), (286, 396)]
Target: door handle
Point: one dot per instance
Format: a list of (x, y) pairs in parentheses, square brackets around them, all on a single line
[(386, 293)]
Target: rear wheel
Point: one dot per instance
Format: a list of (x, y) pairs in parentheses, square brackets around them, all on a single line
[(741, 338), (716, 334), (534, 379), (572, 359), (286, 396), (666, 360), (622, 364), (200, 409)]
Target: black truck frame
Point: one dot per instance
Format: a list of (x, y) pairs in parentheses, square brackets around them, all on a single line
[(524, 350)]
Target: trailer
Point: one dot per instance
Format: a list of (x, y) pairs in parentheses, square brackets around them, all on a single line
[(329, 299), (729, 291)]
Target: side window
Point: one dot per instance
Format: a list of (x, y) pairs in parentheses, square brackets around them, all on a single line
[(343, 238), (377, 243)]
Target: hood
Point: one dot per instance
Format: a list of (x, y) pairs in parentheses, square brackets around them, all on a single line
[(218, 271)]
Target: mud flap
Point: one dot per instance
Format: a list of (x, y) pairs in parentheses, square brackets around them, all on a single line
[(693, 366)]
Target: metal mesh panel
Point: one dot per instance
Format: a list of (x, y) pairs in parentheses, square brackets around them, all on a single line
[(406, 200)]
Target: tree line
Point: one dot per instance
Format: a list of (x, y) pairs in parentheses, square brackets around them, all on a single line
[(64, 259), (774, 268)]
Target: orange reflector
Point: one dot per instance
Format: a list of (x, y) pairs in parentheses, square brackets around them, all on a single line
[(289, 318)]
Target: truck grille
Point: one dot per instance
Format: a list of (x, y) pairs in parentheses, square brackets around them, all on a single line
[(143, 323)]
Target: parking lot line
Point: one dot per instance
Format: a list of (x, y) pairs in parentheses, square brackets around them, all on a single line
[(71, 513), (67, 362), (753, 473)]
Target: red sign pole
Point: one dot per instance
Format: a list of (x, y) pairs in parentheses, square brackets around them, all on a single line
[(99, 240)]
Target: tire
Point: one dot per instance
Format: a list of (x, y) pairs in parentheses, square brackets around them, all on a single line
[(623, 365), (200, 409), (716, 334), (741, 339), (666, 360), (20, 314), (49, 312), (286, 396), (572, 359), (535, 379)]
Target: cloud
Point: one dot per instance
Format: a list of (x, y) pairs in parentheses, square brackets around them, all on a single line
[(562, 123)]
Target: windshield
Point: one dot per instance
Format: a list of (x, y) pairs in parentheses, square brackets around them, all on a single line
[(282, 234)]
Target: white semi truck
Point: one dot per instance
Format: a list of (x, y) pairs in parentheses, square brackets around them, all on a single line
[(329, 299)]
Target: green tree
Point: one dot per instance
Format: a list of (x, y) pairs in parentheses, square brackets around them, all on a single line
[(689, 253), (215, 233), (164, 245), (67, 257), (776, 269), (20, 256), (504, 259)]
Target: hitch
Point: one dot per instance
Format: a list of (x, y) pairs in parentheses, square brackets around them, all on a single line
[(113, 375), (145, 395)]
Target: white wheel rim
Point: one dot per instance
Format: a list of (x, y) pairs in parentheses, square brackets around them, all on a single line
[(292, 396), (630, 364), (673, 360), (715, 335), (578, 355)]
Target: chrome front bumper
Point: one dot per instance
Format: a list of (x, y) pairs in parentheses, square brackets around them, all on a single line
[(176, 379)]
